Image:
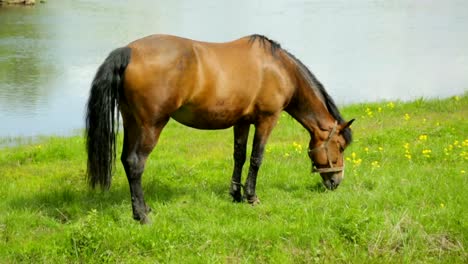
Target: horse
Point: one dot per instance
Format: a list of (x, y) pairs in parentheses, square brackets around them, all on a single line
[(203, 85)]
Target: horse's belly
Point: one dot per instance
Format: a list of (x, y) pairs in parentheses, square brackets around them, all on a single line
[(207, 119)]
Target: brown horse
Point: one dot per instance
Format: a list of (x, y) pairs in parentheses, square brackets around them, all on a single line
[(207, 86)]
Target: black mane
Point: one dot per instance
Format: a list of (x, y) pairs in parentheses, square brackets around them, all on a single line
[(330, 104), (274, 46)]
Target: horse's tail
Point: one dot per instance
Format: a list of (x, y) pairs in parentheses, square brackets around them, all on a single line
[(102, 117)]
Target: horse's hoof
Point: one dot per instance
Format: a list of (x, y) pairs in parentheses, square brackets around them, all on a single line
[(148, 209), (236, 197), (253, 200), (145, 220)]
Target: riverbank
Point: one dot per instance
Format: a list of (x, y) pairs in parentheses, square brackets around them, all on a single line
[(403, 198), (19, 2)]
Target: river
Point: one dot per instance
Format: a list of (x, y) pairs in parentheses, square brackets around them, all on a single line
[(360, 50)]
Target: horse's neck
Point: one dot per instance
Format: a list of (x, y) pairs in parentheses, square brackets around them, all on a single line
[(309, 109)]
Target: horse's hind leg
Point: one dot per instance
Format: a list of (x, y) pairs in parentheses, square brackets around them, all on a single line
[(241, 134), (139, 141)]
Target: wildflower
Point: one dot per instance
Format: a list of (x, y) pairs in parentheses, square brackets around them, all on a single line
[(268, 150), (357, 162), (423, 137), (366, 149), (379, 109), (375, 164), (390, 105), (464, 155), (297, 147), (456, 98), (380, 149), (407, 117), (446, 151), (407, 151), (286, 155), (369, 112), (424, 120), (426, 153), (462, 171), (465, 143), (442, 205)]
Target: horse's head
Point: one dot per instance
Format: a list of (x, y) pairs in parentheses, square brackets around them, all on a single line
[(326, 152)]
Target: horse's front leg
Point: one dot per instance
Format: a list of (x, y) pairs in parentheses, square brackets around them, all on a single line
[(262, 131), (241, 134)]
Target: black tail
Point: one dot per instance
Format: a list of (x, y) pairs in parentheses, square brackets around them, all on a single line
[(102, 122)]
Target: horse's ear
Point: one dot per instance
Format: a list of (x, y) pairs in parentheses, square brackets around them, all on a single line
[(347, 124)]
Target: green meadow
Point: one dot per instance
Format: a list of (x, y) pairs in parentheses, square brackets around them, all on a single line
[(404, 198)]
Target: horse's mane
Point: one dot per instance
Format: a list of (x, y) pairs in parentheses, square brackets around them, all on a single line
[(274, 46), (314, 83)]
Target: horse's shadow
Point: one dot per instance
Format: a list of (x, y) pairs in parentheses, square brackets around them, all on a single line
[(318, 187), (70, 202), (66, 203), (315, 187)]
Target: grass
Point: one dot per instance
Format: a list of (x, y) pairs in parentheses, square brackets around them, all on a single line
[(403, 199)]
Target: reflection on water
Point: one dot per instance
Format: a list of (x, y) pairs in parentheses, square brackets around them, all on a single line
[(360, 50)]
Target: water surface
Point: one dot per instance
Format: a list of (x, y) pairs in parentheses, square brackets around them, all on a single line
[(360, 50)]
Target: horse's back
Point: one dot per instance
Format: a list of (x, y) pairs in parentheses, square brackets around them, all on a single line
[(205, 85)]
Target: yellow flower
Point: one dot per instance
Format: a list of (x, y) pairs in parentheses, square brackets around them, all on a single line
[(407, 151), (462, 172), (446, 151), (366, 149), (465, 143), (369, 112), (354, 159), (427, 153), (379, 109), (423, 137), (456, 98), (380, 149), (442, 205), (375, 164), (297, 147), (390, 105), (464, 155), (407, 117)]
